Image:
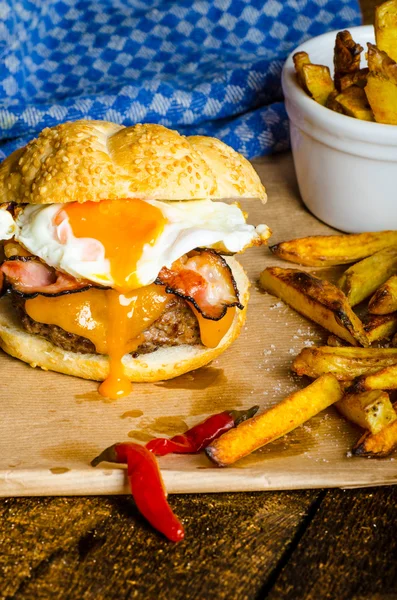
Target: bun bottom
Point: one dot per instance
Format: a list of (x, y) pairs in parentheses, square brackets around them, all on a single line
[(164, 363)]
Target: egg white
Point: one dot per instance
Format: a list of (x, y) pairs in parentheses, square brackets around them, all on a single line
[(190, 224)]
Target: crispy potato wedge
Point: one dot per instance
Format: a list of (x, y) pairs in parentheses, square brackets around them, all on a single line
[(370, 410), (347, 56), (318, 82), (382, 97), (328, 250), (384, 301), (300, 59), (386, 27), (354, 103), (381, 88), (379, 327), (315, 80), (333, 104), (362, 279), (377, 445), (380, 63), (282, 418), (316, 299), (357, 78), (384, 379), (345, 363)]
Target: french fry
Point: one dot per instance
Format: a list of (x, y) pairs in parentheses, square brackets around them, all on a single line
[(328, 250), (382, 97), (318, 82), (333, 104), (370, 410), (381, 88), (379, 327), (354, 103), (346, 56), (345, 363), (357, 78), (362, 279), (300, 59), (315, 80), (377, 445), (279, 420), (384, 301), (316, 299), (384, 379), (386, 27)]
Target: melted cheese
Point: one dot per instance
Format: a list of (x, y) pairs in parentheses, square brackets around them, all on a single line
[(115, 323)]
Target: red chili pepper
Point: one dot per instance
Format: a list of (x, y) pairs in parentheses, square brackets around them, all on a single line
[(146, 485), (201, 435)]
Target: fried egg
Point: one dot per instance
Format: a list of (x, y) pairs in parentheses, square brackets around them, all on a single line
[(125, 243)]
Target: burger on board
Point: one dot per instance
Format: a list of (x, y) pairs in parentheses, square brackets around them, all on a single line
[(118, 249)]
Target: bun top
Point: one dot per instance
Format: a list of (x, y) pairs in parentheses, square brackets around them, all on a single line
[(98, 160)]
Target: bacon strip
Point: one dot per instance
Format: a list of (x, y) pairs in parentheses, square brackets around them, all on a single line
[(205, 279), (30, 277)]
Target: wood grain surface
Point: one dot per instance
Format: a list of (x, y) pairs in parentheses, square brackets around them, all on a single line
[(347, 552), (93, 548), (279, 545)]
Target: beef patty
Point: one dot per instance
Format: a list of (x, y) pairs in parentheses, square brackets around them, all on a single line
[(177, 325)]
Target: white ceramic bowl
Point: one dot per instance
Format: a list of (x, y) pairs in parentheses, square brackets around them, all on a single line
[(346, 168)]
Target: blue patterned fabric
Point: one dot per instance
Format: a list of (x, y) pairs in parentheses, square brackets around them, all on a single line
[(199, 66)]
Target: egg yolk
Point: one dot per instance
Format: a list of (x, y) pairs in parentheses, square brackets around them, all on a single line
[(113, 322), (115, 319), (123, 227)]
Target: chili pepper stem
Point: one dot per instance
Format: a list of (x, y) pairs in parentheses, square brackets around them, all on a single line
[(107, 455), (239, 416)]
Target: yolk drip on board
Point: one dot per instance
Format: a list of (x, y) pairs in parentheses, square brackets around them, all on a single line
[(114, 320)]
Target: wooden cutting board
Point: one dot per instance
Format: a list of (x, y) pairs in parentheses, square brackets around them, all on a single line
[(53, 425)]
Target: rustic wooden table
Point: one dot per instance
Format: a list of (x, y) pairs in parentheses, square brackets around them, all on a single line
[(293, 545)]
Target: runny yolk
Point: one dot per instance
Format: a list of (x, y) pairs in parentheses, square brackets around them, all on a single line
[(123, 227), (117, 383), (113, 322)]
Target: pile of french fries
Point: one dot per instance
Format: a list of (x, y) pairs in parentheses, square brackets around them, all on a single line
[(349, 371), (368, 93)]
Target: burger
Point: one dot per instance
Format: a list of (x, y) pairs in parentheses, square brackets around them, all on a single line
[(118, 251)]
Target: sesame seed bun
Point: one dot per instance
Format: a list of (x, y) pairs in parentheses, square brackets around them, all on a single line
[(98, 160), (165, 363)]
